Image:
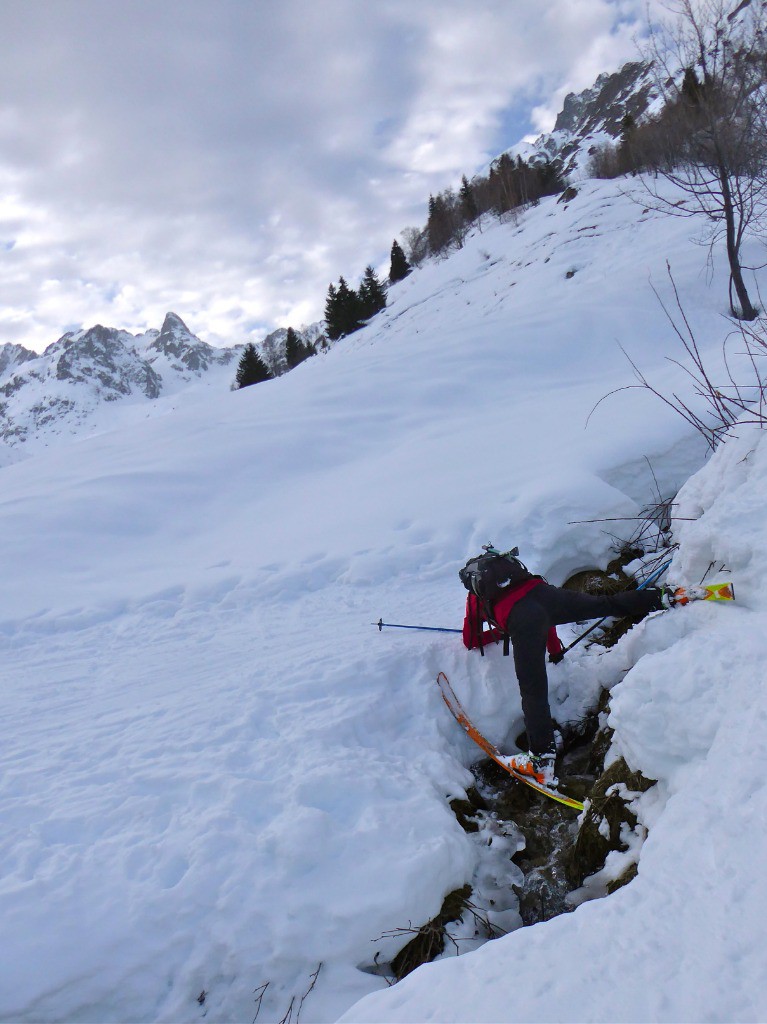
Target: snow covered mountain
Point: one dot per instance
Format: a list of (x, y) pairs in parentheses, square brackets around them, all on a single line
[(225, 795), (101, 378), (594, 116), (177, 354)]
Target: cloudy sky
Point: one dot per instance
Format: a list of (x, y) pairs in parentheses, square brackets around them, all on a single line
[(227, 159)]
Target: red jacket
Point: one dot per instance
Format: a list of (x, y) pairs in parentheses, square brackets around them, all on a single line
[(501, 609)]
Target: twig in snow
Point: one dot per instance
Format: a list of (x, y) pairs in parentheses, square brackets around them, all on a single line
[(314, 982), (261, 990), (288, 1018)]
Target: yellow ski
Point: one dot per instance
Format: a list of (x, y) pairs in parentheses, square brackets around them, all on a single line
[(704, 592)]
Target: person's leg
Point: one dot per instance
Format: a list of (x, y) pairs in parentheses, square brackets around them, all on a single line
[(528, 625), (564, 606)]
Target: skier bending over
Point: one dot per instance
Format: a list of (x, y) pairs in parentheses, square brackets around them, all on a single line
[(527, 612)]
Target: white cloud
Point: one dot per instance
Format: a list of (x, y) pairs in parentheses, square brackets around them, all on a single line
[(227, 159)]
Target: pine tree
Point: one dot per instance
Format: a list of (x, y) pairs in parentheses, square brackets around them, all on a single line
[(333, 314), (400, 267), (468, 202), (626, 155), (439, 226), (295, 350), (548, 179), (372, 294), (251, 368), (349, 311), (692, 90)]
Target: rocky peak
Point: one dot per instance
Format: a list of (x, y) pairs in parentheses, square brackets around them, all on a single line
[(175, 331), (183, 349), (104, 358), (12, 356), (595, 115), (606, 103)]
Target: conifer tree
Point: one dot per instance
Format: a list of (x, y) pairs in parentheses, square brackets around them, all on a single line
[(399, 268), (349, 311), (372, 294), (692, 90), (295, 350), (468, 202), (251, 368), (548, 179), (438, 226), (626, 155), (333, 314), (342, 310)]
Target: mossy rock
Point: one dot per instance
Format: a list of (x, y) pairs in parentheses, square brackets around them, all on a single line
[(597, 582), (467, 811), (568, 195), (627, 555), (606, 813), (429, 940), (628, 876), (603, 737)]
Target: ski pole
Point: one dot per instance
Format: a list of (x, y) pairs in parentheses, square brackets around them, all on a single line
[(650, 579), (398, 625)]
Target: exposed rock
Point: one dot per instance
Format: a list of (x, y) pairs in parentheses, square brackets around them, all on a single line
[(101, 358), (185, 352), (595, 115), (607, 820), (429, 940), (12, 356), (610, 98), (568, 195), (466, 811)]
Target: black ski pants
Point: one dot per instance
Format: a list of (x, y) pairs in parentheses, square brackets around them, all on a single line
[(528, 625)]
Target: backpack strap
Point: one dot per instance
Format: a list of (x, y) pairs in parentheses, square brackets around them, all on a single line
[(488, 611)]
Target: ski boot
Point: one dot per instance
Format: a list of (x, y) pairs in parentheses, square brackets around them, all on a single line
[(541, 768)]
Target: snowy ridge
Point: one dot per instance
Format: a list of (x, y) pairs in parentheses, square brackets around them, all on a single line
[(217, 775)]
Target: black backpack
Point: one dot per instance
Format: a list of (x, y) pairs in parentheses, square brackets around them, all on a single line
[(487, 577)]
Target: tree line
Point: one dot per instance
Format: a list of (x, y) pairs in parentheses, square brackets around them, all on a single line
[(346, 310), (508, 185)]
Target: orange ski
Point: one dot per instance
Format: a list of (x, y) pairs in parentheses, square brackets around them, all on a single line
[(458, 712)]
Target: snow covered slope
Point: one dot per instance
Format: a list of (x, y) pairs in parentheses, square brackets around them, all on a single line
[(216, 775)]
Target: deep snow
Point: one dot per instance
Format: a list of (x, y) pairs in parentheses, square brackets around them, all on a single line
[(217, 774)]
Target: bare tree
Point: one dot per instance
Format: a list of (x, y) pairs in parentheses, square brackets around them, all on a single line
[(711, 140)]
